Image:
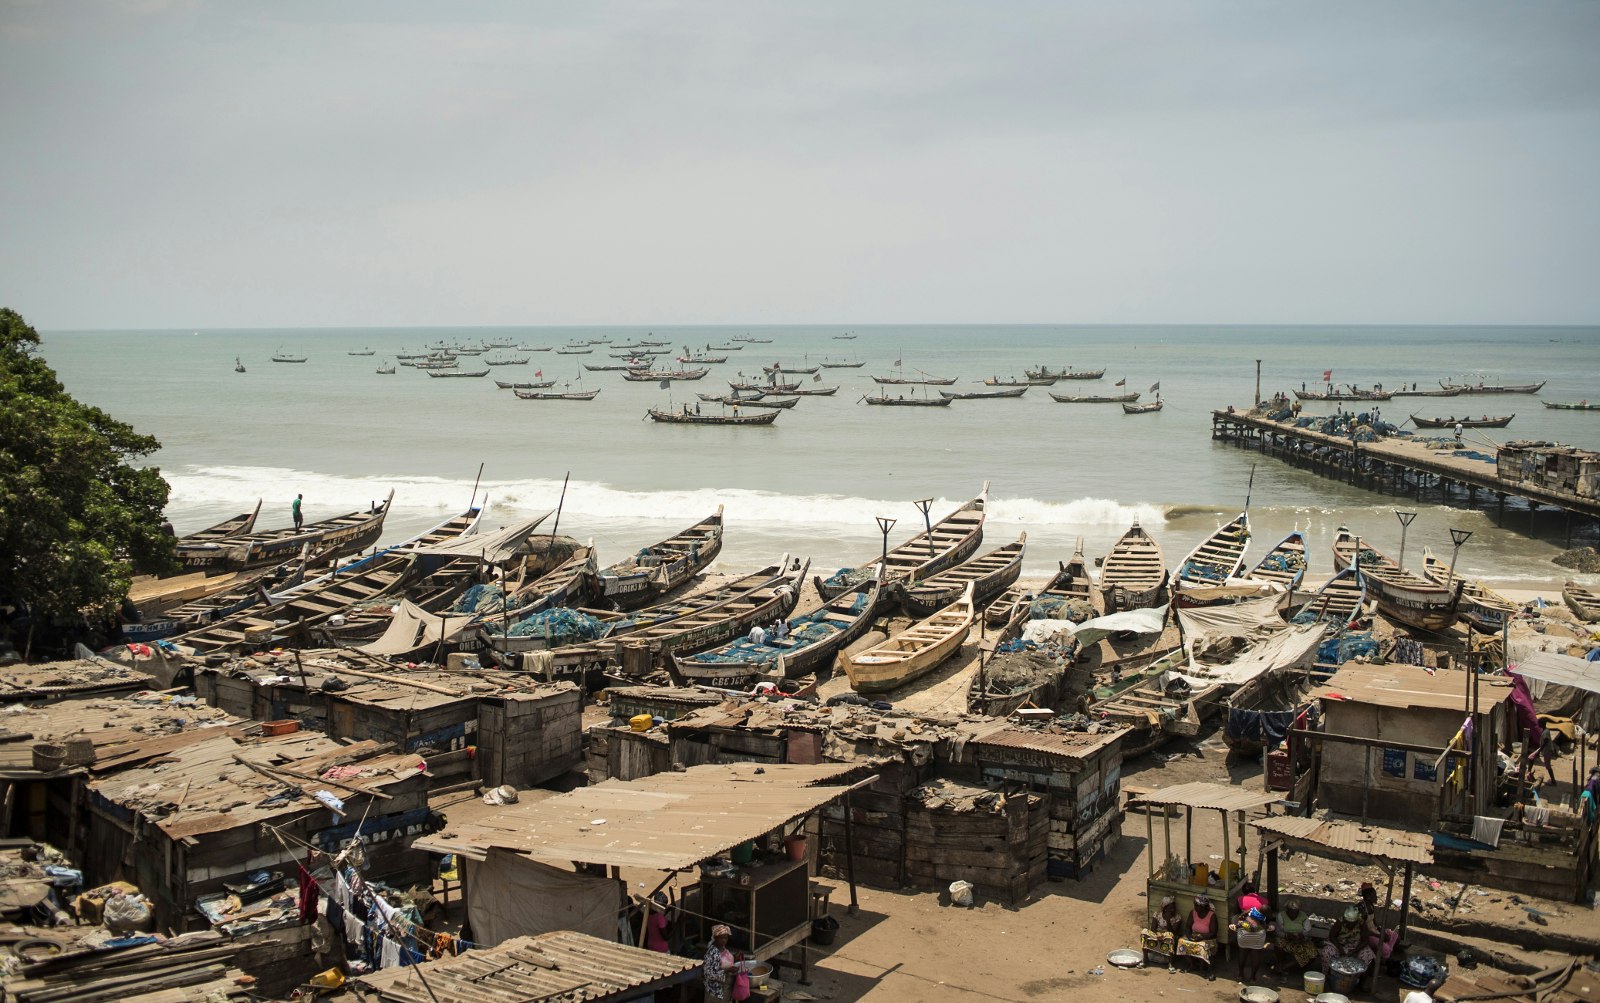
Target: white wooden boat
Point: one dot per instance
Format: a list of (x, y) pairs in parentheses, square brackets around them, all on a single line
[(1133, 574), (914, 651)]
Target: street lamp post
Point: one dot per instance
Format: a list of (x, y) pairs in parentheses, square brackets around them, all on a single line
[(1457, 538), (1405, 523), (884, 525), (927, 520)]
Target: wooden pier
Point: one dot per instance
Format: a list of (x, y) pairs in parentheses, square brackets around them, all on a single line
[(1399, 466)]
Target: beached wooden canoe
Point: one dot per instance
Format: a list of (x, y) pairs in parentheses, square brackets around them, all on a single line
[(988, 576), (1261, 711), (1154, 712), (1451, 422), (690, 418), (1340, 601), (1133, 575), (1094, 398), (573, 582), (1582, 600), (1401, 595), (1480, 606), (1285, 563), (955, 538), (913, 652), (345, 534), (1071, 582), (811, 643), (235, 593), (1217, 558), (662, 567), (239, 525)]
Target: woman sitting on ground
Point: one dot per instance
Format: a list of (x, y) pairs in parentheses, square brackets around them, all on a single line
[(1293, 945), (1201, 942), (1348, 939), (1162, 936)]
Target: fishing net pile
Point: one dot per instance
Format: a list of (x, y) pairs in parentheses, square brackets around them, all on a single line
[(1195, 569), (804, 631), (1342, 648), (561, 626), (1060, 608), (846, 578), (1284, 561), (480, 599)]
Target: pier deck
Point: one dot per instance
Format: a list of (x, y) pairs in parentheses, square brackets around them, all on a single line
[(1396, 465)]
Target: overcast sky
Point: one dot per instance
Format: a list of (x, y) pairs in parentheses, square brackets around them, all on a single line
[(210, 164)]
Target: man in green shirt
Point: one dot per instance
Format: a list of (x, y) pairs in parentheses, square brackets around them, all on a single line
[(295, 508)]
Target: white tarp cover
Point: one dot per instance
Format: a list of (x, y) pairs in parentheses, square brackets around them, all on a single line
[(412, 626), (1289, 647), (510, 895), (1136, 621), (1562, 670), (1241, 619), (495, 548)]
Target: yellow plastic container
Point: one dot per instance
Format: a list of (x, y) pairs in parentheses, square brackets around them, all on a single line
[(640, 722), (1201, 876), (1230, 871)]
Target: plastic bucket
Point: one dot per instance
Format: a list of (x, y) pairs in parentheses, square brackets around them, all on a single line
[(795, 847), (823, 929), (1313, 983), (1343, 983), (743, 852)]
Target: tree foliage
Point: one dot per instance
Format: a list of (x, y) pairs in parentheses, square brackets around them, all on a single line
[(77, 517)]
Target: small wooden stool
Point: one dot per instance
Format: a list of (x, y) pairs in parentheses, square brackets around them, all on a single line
[(820, 894)]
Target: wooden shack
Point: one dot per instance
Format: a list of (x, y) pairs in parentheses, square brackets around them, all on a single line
[(77, 677), (509, 729), (1550, 466), (194, 816)]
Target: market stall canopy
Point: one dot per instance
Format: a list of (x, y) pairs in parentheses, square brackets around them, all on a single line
[(1219, 797), (493, 548), (1350, 841), (1562, 670), (665, 822)]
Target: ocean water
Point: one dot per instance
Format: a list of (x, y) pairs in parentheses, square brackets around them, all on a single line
[(812, 483)]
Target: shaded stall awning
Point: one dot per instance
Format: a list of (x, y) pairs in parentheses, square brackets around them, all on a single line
[(411, 627), (1220, 797), (665, 822), (493, 548), (1562, 670), (1350, 841)]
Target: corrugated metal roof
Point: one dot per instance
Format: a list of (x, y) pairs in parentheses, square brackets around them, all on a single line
[(1076, 744), (1351, 838), (563, 965), (666, 822), (1395, 685), (1201, 795)]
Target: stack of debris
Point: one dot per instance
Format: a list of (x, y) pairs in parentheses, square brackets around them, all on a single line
[(93, 966), (995, 841)]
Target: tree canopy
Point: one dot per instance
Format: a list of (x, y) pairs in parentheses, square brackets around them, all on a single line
[(77, 517)]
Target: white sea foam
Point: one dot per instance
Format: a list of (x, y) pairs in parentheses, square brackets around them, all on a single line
[(229, 488)]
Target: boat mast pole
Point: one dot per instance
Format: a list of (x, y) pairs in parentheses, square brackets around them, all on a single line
[(475, 481), (560, 503)]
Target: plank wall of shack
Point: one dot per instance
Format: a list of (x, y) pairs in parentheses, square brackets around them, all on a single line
[(877, 819), (528, 738), (1000, 849), (174, 872)]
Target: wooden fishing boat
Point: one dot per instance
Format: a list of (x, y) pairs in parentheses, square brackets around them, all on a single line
[(1482, 607), (707, 360), (573, 582), (435, 364), (650, 375), (506, 362), (1217, 558), (1401, 595), (575, 351), (954, 538), (343, 534), (813, 392), (727, 348), (844, 337), (288, 358), (1487, 388), (1094, 399), (767, 388), (1340, 601), (1582, 405), (987, 577), (1133, 575), (635, 356), (536, 385), (206, 602), (1070, 583), (624, 367), (1285, 563), (1155, 711), (930, 381), (385, 370), (995, 381), (662, 567), (547, 395), (1426, 393), (884, 400), (913, 652), (1154, 405), (1451, 422), (801, 370), (688, 418), (810, 644), (974, 395), (239, 525), (445, 374), (238, 364), (755, 341), (364, 351), (1260, 713), (532, 348), (841, 365), (1046, 373), (1343, 395), (759, 402), (1582, 600)]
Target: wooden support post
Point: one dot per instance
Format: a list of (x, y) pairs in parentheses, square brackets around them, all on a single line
[(1405, 900), (1166, 826), (1150, 843), (1272, 879), (1366, 779), (850, 854), (1188, 834)]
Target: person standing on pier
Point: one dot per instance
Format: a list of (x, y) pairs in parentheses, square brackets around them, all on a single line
[(1458, 431)]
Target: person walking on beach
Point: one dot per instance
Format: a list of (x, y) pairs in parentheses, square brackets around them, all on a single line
[(294, 508)]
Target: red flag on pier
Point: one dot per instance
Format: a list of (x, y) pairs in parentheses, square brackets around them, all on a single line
[(1327, 376)]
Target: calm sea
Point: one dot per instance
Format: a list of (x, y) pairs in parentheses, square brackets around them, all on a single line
[(811, 484)]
